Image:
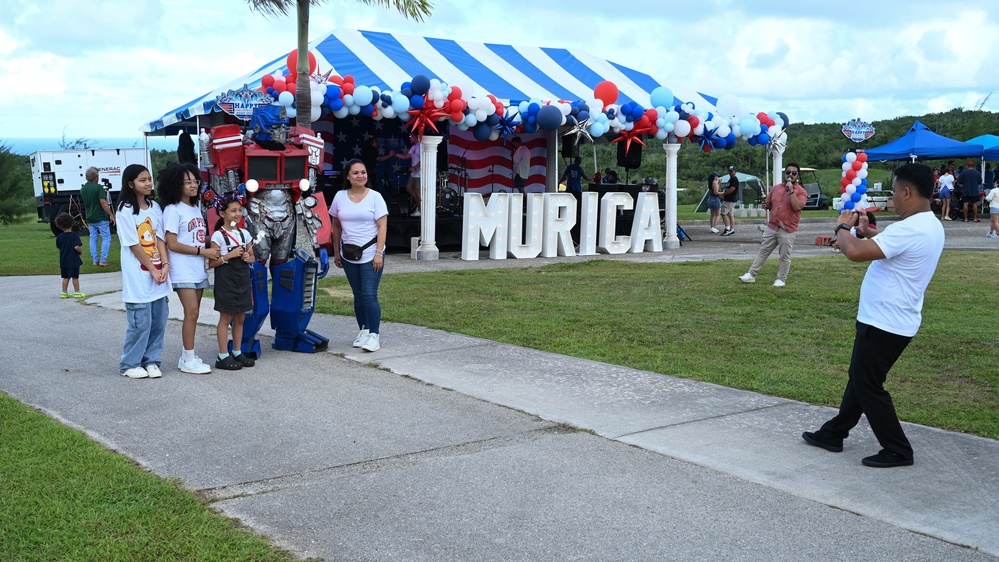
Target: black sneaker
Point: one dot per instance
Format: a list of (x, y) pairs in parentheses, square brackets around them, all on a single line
[(886, 459), (827, 444), (229, 364), (244, 360)]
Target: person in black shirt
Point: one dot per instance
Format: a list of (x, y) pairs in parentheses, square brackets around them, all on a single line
[(730, 196)]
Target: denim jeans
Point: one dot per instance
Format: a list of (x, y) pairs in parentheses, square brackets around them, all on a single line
[(364, 281), (104, 229), (144, 335)]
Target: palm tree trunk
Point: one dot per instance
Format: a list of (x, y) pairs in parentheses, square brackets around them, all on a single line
[(303, 91)]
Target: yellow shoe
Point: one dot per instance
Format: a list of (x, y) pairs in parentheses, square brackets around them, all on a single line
[(64, 295), (79, 295)]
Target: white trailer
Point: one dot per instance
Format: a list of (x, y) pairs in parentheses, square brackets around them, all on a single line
[(58, 175)]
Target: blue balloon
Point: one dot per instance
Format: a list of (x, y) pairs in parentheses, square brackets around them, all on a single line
[(611, 113), (764, 129), (856, 197), (584, 107), (531, 128), (844, 158), (420, 85), (861, 189), (481, 131), (570, 120), (720, 142), (271, 90), (367, 110), (408, 92), (752, 141), (788, 122), (764, 138), (416, 102), (493, 120), (336, 104), (661, 97), (549, 118), (583, 115), (848, 205), (730, 140), (533, 109)]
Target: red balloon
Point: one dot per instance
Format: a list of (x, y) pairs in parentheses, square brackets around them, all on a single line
[(643, 122), (694, 121), (348, 79), (861, 157), (457, 116), (267, 81), (336, 80), (292, 87), (850, 174), (707, 147), (348, 87), (455, 93), (606, 92), (843, 189), (762, 116), (857, 165), (280, 86), (292, 62), (652, 114)]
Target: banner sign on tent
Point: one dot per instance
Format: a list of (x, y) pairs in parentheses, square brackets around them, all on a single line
[(857, 130), (241, 103)]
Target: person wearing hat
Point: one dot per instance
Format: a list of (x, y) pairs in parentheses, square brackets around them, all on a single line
[(730, 195), (970, 182)]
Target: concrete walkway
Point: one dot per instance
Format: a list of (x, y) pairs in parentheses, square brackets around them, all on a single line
[(446, 447)]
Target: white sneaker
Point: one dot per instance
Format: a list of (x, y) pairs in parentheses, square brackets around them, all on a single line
[(372, 344), (416, 213), (362, 338), (153, 371), (135, 373), (747, 278), (778, 283), (714, 230), (195, 366)]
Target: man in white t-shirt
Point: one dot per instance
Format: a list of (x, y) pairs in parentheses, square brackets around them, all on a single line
[(521, 164), (903, 259)]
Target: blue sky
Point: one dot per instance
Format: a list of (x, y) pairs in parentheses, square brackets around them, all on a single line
[(102, 68)]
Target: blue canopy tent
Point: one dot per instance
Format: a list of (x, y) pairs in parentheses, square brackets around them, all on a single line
[(921, 142), (991, 144), (386, 60)]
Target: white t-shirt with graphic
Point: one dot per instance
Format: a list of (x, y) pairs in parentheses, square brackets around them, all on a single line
[(138, 285), (187, 222)]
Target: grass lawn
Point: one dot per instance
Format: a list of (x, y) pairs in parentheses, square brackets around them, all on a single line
[(63, 497)]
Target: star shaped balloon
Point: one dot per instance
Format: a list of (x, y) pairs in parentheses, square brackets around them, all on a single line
[(424, 118), (508, 125), (581, 130)]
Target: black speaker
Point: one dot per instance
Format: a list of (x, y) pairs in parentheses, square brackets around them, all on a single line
[(632, 159), (568, 147)]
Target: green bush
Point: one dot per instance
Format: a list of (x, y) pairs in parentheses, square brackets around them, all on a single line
[(16, 197)]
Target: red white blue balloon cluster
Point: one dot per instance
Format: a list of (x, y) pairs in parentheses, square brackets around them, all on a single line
[(853, 184), (431, 100)]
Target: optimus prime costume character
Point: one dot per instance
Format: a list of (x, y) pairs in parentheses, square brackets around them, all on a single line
[(288, 219)]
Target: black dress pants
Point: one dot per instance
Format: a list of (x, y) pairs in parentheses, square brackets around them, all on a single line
[(874, 353)]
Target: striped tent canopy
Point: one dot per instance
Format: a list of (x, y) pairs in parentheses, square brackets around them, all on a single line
[(511, 73)]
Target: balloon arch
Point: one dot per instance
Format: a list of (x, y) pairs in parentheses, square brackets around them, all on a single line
[(422, 102)]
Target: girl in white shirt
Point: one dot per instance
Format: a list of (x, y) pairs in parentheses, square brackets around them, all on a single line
[(186, 231)]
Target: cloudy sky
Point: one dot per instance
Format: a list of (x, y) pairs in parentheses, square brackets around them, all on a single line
[(102, 68)]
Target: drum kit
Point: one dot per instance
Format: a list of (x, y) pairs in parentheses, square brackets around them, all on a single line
[(449, 194)]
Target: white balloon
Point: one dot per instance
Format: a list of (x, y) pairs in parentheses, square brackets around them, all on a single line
[(387, 112), (343, 112), (846, 166), (354, 109), (348, 100), (851, 189), (862, 174), (494, 135), (699, 129), (286, 98), (291, 112), (856, 181), (316, 113), (850, 157), (681, 128), (438, 103), (773, 131)]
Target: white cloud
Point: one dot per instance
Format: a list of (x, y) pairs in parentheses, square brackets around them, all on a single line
[(105, 67)]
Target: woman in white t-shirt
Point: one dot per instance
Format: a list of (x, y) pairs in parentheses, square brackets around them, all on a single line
[(360, 218), (946, 187), (184, 223)]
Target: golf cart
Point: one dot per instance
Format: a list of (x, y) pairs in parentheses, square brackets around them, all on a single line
[(810, 181)]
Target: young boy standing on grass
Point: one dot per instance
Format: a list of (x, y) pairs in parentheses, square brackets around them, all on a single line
[(70, 247)]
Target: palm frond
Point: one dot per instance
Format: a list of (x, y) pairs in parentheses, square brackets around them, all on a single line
[(412, 9), (272, 7)]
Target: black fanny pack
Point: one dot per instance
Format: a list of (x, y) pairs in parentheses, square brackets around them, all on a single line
[(354, 252)]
